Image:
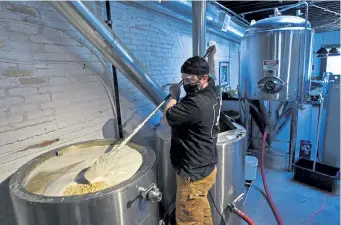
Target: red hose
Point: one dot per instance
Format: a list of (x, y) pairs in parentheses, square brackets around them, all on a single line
[(247, 219), (272, 204), (322, 207)]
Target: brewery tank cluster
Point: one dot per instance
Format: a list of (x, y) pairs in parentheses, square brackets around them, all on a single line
[(274, 67), (135, 199)]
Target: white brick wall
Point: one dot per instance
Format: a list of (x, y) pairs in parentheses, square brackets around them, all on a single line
[(48, 83)]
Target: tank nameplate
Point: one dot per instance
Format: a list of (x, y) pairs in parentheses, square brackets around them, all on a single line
[(270, 65), (270, 85)]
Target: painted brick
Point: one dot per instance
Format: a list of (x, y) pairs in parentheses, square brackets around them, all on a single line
[(11, 16), (86, 78), (72, 94), (20, 47), (24, 28), (11, 119), (67, 134), (27, 123), (26, 132), (23, 108), (94, 96), (16, 72), (52, 15), (23, 91), (62, 49), (82, 107), (59, 80), (59, 25), (70, 119), (31, 81), (37, 98), (8, 82), (68, 41), (18, 146), (33, 115), (58, 88), (38, 5), (61, 71), (16, 8), (60, 103), (11, 101), (37, 38), (16, 56), (54, 57), (2, 92)]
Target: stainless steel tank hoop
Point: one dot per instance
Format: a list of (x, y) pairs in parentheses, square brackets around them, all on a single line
[(152, 193)]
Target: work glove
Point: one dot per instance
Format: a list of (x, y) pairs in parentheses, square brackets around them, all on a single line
[(175, 91), (211, 50)]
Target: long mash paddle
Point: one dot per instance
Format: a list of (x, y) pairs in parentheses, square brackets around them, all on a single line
[(102, 164), (93, 174)]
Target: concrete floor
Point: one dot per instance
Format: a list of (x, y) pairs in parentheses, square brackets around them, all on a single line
[(295, 202)]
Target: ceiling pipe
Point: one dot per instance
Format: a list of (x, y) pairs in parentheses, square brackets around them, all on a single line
[(106, 42), (217, 19), (199, 27), (239, 18)]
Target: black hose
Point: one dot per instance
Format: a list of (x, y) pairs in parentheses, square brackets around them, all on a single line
[(115, 80), (166, 208), (216, 208)]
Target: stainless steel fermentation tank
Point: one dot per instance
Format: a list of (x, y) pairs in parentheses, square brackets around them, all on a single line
[(276, 56), (231, 148), (127, 203), (272, 59)]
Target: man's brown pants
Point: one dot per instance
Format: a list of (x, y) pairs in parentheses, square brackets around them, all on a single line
[(192, 206)]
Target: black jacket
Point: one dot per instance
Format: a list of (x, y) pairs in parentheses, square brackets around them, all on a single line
[(194, 121)]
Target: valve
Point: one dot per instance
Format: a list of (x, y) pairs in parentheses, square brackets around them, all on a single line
[(151, 194), (233, 208)]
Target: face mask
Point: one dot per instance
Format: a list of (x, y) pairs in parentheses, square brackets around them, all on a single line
[(192, 88)]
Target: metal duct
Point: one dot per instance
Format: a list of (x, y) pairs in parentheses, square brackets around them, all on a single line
[(216, 18), (199, 27), (105, 41)]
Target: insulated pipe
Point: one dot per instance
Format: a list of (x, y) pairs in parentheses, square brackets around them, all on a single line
[(198, 27), (217, 19), (105, 41)]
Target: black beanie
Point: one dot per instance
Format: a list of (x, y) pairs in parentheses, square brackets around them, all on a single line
[(195, 66)]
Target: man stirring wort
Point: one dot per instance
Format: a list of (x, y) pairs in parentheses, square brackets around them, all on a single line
[(194, 122)]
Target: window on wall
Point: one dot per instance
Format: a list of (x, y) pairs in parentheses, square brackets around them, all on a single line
[(333, 64)]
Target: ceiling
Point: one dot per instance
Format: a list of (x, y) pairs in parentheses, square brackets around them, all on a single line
[(321, 21)]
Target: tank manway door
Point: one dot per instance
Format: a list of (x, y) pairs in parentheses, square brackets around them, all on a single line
[(270, 85)]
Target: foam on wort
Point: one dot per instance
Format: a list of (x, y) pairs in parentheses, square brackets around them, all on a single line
[(62, 175)]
